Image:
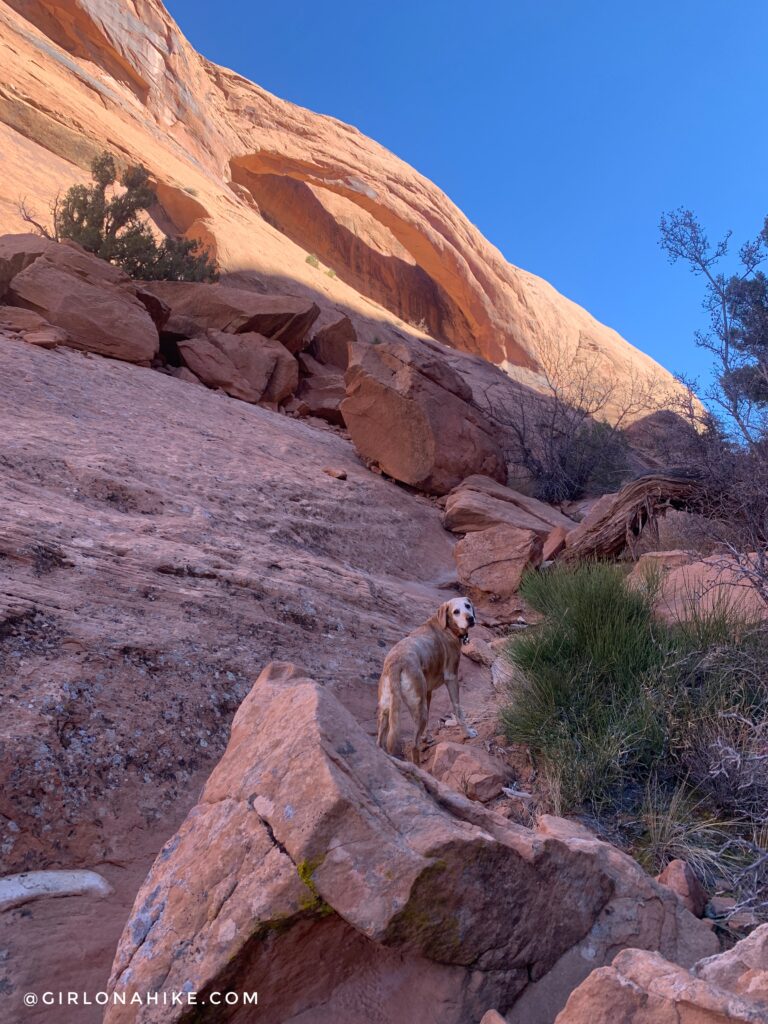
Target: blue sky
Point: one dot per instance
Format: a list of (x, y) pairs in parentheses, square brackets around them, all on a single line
[(562, 129)]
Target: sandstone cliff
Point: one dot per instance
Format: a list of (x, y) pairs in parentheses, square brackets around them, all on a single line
[(266, 183)]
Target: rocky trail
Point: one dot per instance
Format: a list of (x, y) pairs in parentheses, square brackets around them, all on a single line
[(151, 565)]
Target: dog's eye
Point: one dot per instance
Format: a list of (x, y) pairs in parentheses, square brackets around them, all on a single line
[(455, 611)]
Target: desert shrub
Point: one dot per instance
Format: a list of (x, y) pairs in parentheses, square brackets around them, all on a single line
[(110, 226), (566, 433), (675, 824), (583, 705), (658, 732)]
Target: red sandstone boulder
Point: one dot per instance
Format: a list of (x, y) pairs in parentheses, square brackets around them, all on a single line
[(330, 345), (479, 503), (90, 299), (321, 390), (31, 327), (17, 252), (682, 880), (554, 543), (239, 311), (316, 869), (469, 770), (246, 366), (641, 987), (493, 561), (409, 413)]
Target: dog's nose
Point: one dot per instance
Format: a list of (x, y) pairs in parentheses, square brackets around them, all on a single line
[(471, 620)]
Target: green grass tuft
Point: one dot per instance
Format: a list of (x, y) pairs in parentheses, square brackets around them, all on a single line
[(659, 732)]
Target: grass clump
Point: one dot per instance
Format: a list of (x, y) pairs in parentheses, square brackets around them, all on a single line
[(657, 731), (584, 706)]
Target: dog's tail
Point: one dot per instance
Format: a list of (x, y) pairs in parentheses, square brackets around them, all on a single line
[(388, 715)]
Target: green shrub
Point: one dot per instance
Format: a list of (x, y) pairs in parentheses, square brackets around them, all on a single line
[(658, 732), (313, 261), (112, 229), (584, 705)]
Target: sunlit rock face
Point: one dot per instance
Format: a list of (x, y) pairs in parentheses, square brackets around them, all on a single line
[(266, 184)]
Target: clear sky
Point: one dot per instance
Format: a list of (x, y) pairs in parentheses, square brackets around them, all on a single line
[(562, 128)]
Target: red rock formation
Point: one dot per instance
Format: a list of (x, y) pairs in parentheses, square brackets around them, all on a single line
[(643, 988), (78, 75), (411, 414), (312, 859)]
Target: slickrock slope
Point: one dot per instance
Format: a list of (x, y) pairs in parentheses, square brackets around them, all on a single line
[(159, 543), (266, 183)]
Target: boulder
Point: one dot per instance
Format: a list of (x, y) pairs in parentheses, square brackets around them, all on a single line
[(246, 366), (17, 252), (31, 327), (493, 561), (469, 770), (685, 585), (239, 311), (682, 880), (641, 987), (479, 503), (554, 543), (321, 390), (315, 870), (411, 415), (633, 918), (742, 970), (330, 345), (89, 299)]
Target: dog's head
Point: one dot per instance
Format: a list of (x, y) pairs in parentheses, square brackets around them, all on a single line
[(457, 615)]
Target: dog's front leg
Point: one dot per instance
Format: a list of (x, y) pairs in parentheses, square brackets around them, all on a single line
[(452, 683)]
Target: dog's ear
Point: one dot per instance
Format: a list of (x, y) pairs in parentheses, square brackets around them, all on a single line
[(444, 614)]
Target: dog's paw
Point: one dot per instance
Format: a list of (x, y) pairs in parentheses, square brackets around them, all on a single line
[(471, 733)]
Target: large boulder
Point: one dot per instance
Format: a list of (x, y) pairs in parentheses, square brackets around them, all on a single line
[(493, 561), (17, 252), (246, 366), (685, 585), (28, 326), (641, 987), (239, 311), (95, 303), (316, 870), (412, 415), (479, 503)]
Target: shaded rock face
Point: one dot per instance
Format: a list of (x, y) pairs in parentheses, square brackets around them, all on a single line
[(81, 75), (308, 839), (412, 415), (237, 311), (643, 988)]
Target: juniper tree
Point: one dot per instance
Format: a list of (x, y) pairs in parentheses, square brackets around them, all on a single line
[(106, 221)]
